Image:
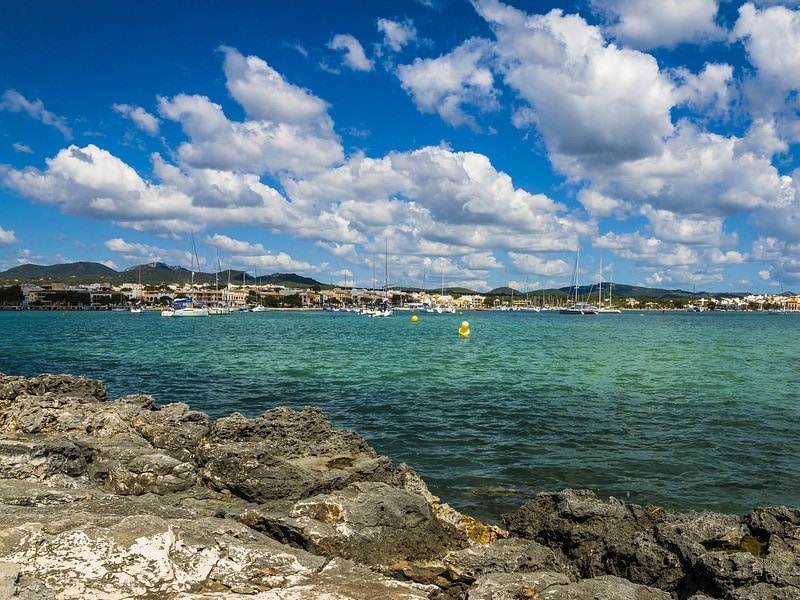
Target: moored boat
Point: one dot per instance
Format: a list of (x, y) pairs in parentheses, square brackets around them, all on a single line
[(184, 307), (579, 308), (574, 305)]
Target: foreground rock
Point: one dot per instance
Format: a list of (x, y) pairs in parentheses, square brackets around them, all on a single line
[(121, 499)]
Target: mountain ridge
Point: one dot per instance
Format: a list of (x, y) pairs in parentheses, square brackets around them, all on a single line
[(160, 273), (154, 273)]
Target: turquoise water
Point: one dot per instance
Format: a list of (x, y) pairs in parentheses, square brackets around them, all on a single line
[(682, 410)]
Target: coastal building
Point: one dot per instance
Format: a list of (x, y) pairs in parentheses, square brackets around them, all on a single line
[(469, 302), (32, 294)]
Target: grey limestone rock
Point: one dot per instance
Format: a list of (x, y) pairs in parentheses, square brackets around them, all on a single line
[(371, 522), (286, 454), (555, 586)]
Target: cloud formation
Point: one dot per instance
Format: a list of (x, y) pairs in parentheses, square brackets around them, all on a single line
[(354, 56), (13, 101), (683, 156), (645, 25)]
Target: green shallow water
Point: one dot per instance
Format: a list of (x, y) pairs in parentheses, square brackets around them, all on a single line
[(687, 411)]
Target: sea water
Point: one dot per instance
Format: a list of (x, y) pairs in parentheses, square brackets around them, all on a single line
[(681, 410)]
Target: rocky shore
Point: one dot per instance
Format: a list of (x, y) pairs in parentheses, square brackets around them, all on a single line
[(122, 499)]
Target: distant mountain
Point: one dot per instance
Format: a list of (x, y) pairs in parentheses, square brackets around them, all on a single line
[(505, 291), (617, 291), (290, 280), (159, 273), (63, 273), (155, 273)]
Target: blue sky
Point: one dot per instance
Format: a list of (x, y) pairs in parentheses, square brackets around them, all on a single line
[(481, 143)]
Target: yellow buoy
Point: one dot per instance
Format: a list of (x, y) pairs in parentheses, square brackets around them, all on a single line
[(464, 329), (414, 318)]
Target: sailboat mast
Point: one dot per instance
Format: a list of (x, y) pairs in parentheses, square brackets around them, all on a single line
[(600, 285)]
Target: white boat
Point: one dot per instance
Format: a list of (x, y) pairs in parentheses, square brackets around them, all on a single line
[(185, 312), (574, 305), (259, 308), (223, 308), (137, 308), (605, 310), (191, 311), (184, 307), (384, 308), (579, 308)]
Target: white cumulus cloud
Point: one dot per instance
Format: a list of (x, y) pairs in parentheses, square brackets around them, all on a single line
[(452, 84), (141, 118), (397, 34), (648, 24), (354, 56), (7, 237)]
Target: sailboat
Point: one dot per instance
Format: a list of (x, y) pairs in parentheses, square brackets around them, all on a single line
[(446, 306), (384, 309), (224, 307), (605, 310), (574, 305), (137, 308), (187, 307)]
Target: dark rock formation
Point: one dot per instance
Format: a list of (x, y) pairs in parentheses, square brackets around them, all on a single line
[(124, 499), (690, 555), (285, 455)]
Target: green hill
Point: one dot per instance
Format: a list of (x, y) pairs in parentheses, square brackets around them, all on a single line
[(78, 272), (617, 291), (155, 273)]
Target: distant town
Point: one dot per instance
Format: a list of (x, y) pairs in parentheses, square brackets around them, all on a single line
[(91, 286)]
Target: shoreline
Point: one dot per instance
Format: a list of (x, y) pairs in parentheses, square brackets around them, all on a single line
[(165, 502)]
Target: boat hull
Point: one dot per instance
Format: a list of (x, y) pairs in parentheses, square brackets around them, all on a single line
[(185, 312)]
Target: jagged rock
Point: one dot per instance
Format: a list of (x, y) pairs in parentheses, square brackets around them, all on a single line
[(764, 591), (40, 457), (599, 537), (693, 534), (173, 428), (475, 531), (709, 546), (285, 454), (370, 522), (145, 556), (556, 586), (516, 586), (776, 538), (138, 469), (504, 556), (686, 554), (773, 521), (55, 386)]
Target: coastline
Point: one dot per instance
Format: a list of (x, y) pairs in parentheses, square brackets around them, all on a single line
[(164, 502)]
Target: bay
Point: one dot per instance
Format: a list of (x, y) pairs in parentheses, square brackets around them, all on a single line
[(681, 410)]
